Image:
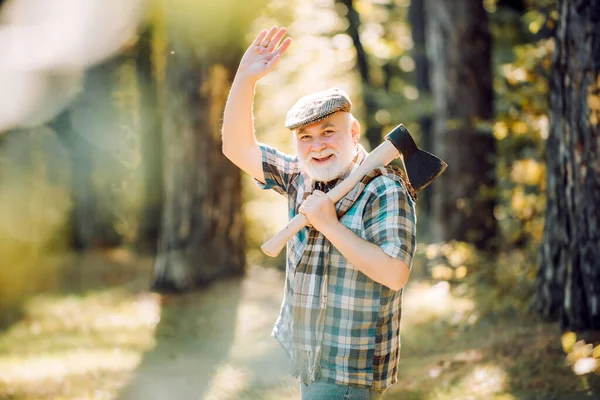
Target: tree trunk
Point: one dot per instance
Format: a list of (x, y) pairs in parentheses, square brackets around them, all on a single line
[(373, 131), (90, 130), (202, 234), (417, 18), (151, 143), (82, 190), (459, 48), (568, 283)]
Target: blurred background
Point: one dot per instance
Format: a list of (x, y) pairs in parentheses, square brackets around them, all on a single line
[(130, 262)]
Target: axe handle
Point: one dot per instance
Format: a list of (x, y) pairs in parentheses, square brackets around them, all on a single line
[(382, 155)]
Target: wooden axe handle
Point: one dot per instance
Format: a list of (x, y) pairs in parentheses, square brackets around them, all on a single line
[(382, 155)]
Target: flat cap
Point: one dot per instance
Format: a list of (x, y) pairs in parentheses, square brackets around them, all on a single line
[(316, 107)]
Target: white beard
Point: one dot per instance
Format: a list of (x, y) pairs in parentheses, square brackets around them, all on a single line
[(333, 169)]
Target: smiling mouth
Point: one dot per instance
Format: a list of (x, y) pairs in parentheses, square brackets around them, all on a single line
[(322, 160)]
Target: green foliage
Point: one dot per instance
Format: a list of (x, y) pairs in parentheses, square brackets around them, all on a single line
[(505, 282), (501, 285), (215, 26), (521, 128), (322, 55)]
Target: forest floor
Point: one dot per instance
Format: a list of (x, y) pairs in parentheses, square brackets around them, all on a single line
[(105, 336)]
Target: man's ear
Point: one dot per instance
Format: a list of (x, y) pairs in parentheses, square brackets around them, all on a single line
[(355, 130)]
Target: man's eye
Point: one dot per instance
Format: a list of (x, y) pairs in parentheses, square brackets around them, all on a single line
[(304, 138), (328, 132)]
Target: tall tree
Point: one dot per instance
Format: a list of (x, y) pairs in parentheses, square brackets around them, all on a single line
[(417, 18), (90, 130), (568, 282), (202, 235), (82, 218), (151, 141), (369, 90), (459, 47)]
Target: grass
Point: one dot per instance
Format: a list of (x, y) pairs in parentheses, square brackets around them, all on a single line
[(103, 335)]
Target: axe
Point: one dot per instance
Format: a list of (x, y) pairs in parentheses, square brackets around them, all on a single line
[(421, 167)]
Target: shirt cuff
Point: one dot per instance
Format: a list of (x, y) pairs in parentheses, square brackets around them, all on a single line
[(263, 186), (397, 252), (266, 172)]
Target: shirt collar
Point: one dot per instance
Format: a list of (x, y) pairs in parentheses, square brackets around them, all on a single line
[(325, 186)]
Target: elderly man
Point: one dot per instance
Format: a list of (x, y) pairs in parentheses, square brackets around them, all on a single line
[(340, 316)]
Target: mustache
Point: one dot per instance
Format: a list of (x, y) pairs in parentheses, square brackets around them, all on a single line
[(320, 154)]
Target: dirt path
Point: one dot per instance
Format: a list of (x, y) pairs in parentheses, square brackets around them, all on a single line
[(107, 337), (217, 345)]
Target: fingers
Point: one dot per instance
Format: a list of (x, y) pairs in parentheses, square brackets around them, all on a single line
[(313, 195), (303, 209), (267, 39), (286, 43), (260, 37), (271, 39), (313, 199), (280, 50), (277, 53), (307, 203), (277, 38)]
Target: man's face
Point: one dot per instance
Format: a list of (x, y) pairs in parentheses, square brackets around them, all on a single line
[(326, 148)]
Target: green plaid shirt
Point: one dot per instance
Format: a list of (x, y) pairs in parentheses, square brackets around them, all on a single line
[(361, 339)]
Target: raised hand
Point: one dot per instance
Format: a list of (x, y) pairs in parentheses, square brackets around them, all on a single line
[(263, 54)]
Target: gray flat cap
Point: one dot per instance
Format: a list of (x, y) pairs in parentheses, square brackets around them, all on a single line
[(316, 107)]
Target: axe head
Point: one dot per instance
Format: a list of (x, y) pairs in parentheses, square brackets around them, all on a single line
[(421, 167)]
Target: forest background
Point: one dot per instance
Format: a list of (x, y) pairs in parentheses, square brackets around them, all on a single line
[(130, 262)]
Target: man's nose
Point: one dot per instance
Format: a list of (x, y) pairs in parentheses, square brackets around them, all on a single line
[(317, 144)]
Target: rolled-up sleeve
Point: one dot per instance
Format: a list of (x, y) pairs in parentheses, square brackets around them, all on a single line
[(390, 221), (279, 169)]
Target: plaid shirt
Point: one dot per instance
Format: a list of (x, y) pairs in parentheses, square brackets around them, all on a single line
[(361, 334)]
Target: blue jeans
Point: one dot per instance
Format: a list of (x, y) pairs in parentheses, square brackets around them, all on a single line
[(330, 391)]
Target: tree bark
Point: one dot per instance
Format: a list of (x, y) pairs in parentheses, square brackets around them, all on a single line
[(202, 236), (568, 282), (459, 49)]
